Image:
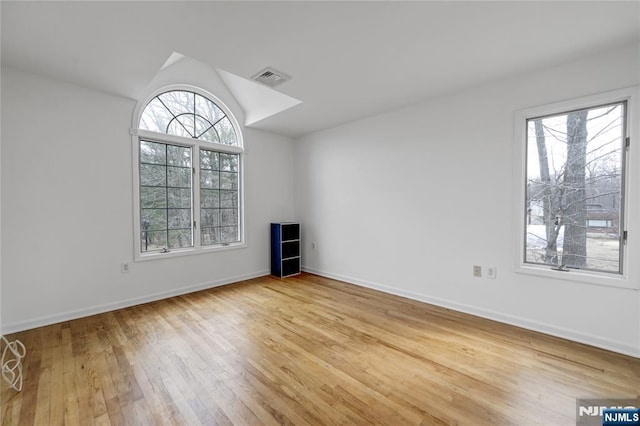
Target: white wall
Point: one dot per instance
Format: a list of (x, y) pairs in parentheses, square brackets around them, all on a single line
[(409, 200), (67, 207)]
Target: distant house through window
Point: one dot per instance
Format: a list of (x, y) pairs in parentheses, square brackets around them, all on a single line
[(189, 157)]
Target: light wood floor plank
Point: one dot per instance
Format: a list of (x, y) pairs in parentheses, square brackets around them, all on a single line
[(305, 350)]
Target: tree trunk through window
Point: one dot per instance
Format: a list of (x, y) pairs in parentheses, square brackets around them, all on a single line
[(575, 208)]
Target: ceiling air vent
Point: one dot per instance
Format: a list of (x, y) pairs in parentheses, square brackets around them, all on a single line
[(271, 77)]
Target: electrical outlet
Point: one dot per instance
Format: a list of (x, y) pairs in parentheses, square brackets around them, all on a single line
[(313, 245), (124, 267), (492, 272), (477, 271)]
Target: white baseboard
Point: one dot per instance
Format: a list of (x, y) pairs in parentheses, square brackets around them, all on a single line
[(577, 336), (107, 307)]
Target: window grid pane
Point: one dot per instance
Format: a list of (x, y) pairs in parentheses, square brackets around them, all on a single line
[(190, 115), (166, 174), (575, 187), (165, 197), (219, 209)]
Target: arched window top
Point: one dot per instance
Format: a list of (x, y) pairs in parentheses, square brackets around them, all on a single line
[(188, 114)]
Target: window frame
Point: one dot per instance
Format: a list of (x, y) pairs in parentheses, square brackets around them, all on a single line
[(138, 135), (625, 279)]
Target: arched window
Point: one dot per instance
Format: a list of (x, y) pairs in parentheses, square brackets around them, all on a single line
[(190, 115), (189, 158)]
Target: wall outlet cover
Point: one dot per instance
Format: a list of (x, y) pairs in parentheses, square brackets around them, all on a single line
[(491, 272), (477, 271)]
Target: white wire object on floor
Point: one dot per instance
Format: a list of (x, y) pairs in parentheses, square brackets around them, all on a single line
[(12, 355)]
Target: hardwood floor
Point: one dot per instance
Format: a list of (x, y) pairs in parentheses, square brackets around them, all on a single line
[(304, 350)]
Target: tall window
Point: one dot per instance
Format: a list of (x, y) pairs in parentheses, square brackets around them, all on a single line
[(189, 174), (575, 179)]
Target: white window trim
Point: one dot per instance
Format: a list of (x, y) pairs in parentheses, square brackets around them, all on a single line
[(629, 276), (138, 134)]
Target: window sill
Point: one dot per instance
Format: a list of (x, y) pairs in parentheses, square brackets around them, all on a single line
[(143, 257), (584, 277)]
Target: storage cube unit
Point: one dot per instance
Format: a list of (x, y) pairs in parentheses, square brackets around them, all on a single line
[(285, 249)]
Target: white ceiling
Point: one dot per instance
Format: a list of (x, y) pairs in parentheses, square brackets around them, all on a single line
[(348, 59)]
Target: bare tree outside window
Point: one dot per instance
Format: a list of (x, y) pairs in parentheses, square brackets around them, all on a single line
[(575, 189)]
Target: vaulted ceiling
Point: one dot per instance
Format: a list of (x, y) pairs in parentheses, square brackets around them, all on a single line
[(348, 59)]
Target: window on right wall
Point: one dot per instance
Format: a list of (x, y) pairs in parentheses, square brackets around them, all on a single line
[(574, 195)]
